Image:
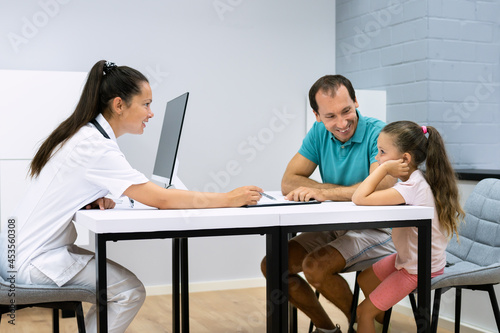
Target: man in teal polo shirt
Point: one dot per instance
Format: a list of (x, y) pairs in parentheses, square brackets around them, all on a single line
[(343, 144)]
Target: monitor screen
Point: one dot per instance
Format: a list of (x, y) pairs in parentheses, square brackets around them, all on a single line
[(169, 140)]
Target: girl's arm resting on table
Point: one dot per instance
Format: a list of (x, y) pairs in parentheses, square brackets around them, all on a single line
[(156, 196), (366, 194)]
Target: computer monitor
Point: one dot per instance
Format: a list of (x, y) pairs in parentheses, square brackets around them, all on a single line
[(163, 171)]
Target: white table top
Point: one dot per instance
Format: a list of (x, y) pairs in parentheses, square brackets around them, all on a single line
[(342, 212), (142, 219), (145, 220)]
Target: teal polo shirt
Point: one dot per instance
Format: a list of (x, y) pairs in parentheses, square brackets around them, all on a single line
[(343, 163)]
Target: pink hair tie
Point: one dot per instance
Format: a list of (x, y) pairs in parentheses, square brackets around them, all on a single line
[(424, 129)]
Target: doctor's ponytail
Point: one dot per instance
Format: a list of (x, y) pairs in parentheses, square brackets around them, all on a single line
[(105, 81)]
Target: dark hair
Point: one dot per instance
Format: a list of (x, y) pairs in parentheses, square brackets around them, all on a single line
[(410, 137), (329, 84), (105, 81)]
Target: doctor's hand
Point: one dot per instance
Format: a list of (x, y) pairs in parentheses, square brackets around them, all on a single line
[(101, 203), (306, 194), (242, 196)]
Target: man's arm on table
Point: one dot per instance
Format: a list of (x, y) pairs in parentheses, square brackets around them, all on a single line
[(296, 184)]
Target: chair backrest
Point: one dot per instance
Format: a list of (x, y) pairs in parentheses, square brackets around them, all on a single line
[(479, 240)]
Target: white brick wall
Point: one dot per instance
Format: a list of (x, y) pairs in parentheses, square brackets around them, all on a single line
[(438, 60)]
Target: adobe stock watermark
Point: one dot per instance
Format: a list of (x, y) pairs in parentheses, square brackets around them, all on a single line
[(79, 157), (222, 7), (248, 150), (11, 268), (254, 322), (461, 111), (371, 29), (155, 76), (257, 319), (32, 25)]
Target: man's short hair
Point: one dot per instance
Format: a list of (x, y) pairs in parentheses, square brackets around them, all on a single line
[(329, 84)]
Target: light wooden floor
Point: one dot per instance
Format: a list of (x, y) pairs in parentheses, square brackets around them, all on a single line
[(230, 311)]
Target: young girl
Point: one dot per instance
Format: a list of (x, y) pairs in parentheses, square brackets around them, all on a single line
[(77, 166), (402, 147)]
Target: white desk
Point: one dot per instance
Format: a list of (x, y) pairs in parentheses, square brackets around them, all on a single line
[(275, 222), (130, 224)]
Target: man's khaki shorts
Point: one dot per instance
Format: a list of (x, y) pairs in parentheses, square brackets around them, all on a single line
[(353, 245)]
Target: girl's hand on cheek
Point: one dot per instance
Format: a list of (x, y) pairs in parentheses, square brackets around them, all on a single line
[(397, 168)]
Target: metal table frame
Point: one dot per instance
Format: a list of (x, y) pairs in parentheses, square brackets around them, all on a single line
[(179, 262), (277, 267)]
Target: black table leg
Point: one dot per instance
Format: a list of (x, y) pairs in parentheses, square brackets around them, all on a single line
[(176, 314), (292, 319), (424, 277), (184, 285), (101, 284), (277, 281), (292, 310)]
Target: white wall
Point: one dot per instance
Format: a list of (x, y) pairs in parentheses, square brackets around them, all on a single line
[(58, 91), (247, 65)]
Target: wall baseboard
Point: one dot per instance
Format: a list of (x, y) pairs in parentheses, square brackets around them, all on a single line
[(209, 286)]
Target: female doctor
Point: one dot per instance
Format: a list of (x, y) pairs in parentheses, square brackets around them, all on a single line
[(77, 166)]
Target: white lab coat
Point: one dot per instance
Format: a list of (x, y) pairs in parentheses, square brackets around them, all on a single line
[(87, 167)]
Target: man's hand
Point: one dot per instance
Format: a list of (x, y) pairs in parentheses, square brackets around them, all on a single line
[(396, 168), (306, 194), (101, 203)]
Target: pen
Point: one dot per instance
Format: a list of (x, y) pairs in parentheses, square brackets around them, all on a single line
[(131, 202), (267, 196)]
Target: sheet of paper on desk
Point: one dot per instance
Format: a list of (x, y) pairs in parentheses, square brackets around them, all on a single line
[(275, 198)]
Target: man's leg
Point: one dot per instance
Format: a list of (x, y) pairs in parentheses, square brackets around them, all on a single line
[(321, 268), (323, 264), (300, 292)]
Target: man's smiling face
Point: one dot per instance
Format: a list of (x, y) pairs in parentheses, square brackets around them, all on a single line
[(337, 113)]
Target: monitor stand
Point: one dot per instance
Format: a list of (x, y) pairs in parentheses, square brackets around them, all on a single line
[(176, 181)]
